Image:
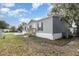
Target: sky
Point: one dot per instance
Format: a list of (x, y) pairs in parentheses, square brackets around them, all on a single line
[(16, 13)]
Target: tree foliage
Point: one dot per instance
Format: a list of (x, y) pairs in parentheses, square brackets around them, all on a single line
[(68, 12), (22, 26), (13, 28), (3, 25)]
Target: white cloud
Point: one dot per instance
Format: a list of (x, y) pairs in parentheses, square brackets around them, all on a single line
[(38, 18), (41, 17), (17, 12), (50, 7), (36, 5), (24, 20), (8, 4), (20, 10), (4, 10)]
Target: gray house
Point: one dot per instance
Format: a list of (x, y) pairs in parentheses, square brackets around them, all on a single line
[(32, 24), (50, 27)]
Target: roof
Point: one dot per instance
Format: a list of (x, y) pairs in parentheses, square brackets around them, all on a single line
[(48, 17), (32, 21), (43, 18)]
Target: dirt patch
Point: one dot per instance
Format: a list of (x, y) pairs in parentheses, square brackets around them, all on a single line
[(39, 47)]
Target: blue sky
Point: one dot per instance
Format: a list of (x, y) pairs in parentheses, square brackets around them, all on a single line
[(16, 13)]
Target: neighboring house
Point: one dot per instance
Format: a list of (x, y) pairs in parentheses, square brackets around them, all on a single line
[(33, 25), (50, 27), (6, 30), (24, 31)]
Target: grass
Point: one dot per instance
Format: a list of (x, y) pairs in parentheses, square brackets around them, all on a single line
[(13, 45)]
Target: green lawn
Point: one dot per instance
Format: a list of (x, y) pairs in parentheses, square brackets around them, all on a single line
[(18, 45), (13, 45)]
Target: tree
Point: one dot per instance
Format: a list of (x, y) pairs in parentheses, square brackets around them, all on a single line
[(13, 28), (3, 25), (68, 13), (22, 26)]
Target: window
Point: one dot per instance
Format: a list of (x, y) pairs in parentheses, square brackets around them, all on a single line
[(30, 26), (40, 26)]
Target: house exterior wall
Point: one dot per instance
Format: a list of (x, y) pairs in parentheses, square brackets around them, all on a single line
[(33, 24), (52, 28), (57, 36), (45, 35), (47, 26), (58, 26), (6, 30)]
